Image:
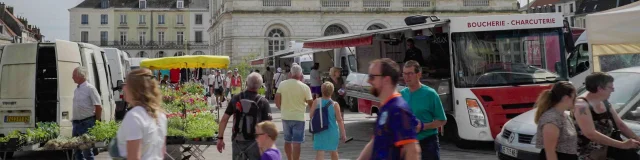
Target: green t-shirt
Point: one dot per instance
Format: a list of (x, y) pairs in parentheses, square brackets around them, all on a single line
[(426, 105)]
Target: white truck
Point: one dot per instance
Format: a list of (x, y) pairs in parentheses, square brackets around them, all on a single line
[(36, 84), (119, 66), (486, 69)]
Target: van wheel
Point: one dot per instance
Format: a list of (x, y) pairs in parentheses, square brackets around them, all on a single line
[(451, 134), (353, 104)]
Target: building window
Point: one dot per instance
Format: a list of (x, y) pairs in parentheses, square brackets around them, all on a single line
[(571, 8), (104, 19), (142, 19), (104, 38), (143, 36), (198, 53), (180, 4), (84, 36), (179, 53), (160, 54), (375, 27), (85, 19), (334, 30), (104, 4), (123, 19), (143, 4), (180, 19), (123, 38), (198, 18), (276, 42), (180, 38), (161, 19), (198, 36), (142, 54), (161, 38), (560, 9)]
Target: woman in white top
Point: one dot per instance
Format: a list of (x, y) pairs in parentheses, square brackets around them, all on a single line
[(144, 128)]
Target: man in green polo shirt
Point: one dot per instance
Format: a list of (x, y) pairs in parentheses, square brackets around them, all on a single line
[(427, 107)]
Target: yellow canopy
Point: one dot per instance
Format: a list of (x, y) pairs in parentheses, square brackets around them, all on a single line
[(200, 61)]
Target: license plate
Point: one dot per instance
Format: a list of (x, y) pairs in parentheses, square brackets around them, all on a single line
[(509, 151), (10, 119)]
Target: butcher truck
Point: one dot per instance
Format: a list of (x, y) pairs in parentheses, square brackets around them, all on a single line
[(486, 69)]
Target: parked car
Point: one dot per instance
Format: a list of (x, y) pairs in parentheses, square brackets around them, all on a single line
[(516, 140)]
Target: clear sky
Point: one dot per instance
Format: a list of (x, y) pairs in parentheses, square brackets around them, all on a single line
[(51, 16)]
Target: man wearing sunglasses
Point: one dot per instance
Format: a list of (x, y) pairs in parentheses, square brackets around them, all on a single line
[(395, 124)]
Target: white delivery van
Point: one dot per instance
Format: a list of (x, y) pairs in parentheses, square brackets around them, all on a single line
[(579, 65), (36, 84), (119, 66)]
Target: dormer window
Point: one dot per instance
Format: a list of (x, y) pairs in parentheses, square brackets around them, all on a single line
[(104, 4), (143, 4), (180, 4)]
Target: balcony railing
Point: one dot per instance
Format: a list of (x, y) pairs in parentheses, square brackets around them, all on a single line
[(475, 2), (152, 44), (416, 3), (276, 3), (334, 3), (376, 3)]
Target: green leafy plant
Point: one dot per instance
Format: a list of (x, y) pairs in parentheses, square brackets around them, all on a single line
[(104, 131), (201, 125)]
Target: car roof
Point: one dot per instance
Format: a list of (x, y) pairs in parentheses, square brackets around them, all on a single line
[(630, 69)]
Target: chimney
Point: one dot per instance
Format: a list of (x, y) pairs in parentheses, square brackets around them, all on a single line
[(10, 9)]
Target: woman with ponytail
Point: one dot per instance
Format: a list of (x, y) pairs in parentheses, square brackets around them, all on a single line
[(142, 132), (556, 134)]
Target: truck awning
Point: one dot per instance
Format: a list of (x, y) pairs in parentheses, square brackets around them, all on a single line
[(310, 51), (361, 39)]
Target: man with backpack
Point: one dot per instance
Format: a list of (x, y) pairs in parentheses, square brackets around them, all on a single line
[(248, 109)]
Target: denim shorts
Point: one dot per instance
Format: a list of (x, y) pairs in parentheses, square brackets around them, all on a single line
[(293, 131)]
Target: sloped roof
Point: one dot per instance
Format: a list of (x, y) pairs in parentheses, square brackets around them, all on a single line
[(150, 4), (592, 6), (8, 29), (14, 17)]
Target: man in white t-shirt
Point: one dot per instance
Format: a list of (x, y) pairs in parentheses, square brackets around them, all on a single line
[(315, 81), (218, 87), (279, 77), (205, 80)]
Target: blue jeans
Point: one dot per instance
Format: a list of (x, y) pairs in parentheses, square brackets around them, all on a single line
[(430, 148), (293, 131), (80, 128)]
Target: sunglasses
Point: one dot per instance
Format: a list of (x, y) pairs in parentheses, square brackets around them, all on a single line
[(373, 76)]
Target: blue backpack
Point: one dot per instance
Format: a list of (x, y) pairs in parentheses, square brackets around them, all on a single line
[(319, 121)]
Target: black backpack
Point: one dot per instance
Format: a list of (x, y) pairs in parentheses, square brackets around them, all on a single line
[(246, 118)]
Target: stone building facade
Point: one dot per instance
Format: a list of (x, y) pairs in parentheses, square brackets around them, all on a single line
[(257, 28)]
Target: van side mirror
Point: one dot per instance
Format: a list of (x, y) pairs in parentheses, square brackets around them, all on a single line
[(119, 85)]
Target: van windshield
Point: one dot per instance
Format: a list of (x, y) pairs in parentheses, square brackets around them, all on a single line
[(511, 57)]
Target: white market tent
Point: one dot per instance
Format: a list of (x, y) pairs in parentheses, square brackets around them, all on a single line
[(614, 31)]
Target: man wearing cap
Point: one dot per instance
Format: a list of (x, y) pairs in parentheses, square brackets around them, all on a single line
[(279, 77), (236, 82)]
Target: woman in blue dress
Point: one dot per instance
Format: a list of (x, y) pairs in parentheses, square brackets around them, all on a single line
[(328, 140)]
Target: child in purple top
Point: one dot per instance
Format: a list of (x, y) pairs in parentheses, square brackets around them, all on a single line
[(266, 135), (271, 154)]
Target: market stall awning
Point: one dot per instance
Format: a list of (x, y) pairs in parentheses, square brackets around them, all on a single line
[(260, 61), (309, 51), (201, 61), (362, 39)]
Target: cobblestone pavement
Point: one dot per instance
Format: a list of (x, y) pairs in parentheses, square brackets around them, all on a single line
[(358, 126)]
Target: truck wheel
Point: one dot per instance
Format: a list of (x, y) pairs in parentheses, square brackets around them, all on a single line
[(353, 104), (452, 135)]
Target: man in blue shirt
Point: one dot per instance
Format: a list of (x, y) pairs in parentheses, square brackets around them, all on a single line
[(395, 133), (426, 105)]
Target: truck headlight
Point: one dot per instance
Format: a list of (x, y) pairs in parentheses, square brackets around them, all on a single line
[(476, 115)]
